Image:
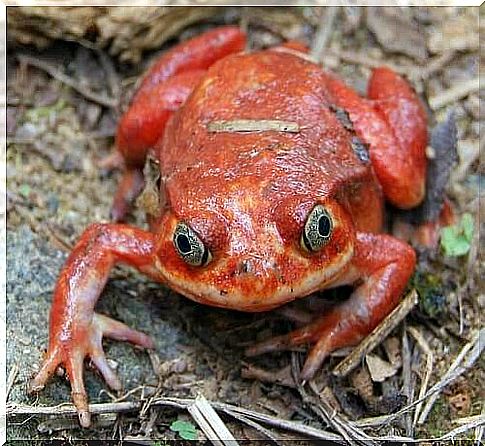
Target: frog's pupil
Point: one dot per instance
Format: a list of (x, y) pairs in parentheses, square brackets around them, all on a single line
[(183, 244), (324, 226)]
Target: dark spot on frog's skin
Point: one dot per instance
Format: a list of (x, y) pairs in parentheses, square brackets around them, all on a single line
[(343, 117), (223, 292), (361, 149)]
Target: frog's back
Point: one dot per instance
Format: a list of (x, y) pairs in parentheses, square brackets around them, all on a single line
[(318, 159)]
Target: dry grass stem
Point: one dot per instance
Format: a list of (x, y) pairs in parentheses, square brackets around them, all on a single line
[(256, 426), (100, 99), (407, 380), (319, 405), (250, 125), (366, 61), (210, 423), (479, 430), (454, 93), (324, 33), (475, 347), (377, 336), (424, 346), (234, 411), (12, 376)]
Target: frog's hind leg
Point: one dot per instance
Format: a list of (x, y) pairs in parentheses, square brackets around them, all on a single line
[(394, 100), (163, 90), (393, 122), (381, 269)]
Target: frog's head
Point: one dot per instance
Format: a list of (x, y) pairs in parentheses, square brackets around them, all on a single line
[(246, 253)]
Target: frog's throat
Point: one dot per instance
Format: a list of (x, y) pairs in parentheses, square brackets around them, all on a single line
[(237, 299)]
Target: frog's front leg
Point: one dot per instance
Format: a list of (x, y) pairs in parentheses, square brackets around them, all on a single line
[(380, 269), (76, 331)]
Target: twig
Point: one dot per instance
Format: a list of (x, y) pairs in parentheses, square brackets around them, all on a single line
[(480, 421), (436, 64), (377, 336), (250, 125), (407, 379), (257, 427), (476, 346), (454, 93), (177, 403), (366, 61), (351, 434), (113, 79), (211, 424), (417, 335), (324, 32), (470, 419), (11, 379), (479, 429), (56, 74)]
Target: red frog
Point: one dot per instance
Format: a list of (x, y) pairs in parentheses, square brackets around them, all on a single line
[(273, 176)]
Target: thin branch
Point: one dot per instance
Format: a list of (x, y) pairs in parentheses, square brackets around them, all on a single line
[(177, 403), (257, 427), (56, 74), (211, 424), (324, 32), (476, 346), (454, 93), (418, 336), (11, 379), (377, 336)]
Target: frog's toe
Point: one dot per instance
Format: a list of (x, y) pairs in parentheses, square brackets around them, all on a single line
[(99, 359), (280, 343), (114, 329), (47, 369), (74, 367), (315, 358)]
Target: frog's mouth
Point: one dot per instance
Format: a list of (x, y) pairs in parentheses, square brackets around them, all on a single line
[(256, 284)]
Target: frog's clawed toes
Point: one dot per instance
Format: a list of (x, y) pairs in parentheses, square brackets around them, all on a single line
[(301, 336), (114, 329), (85, 342), (319, 333), (47, 369)]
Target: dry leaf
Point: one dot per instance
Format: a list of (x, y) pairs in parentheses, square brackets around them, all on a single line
[(362, 382), (392, 346), (379, 369), (125, 31), (397, 32), (457, 33)]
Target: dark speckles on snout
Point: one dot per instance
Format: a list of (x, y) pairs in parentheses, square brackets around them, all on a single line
[(361, 149)]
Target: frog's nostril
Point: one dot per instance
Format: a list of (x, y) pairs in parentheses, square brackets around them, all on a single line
[(244, 267)]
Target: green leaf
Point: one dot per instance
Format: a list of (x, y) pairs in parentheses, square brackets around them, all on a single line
[(24, 190), (456, 240), (185, 429)]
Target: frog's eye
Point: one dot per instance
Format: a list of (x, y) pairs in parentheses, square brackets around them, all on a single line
[(317, 230), (190, 246)]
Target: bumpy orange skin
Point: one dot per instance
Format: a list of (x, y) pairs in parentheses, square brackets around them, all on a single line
[(248, 195)]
